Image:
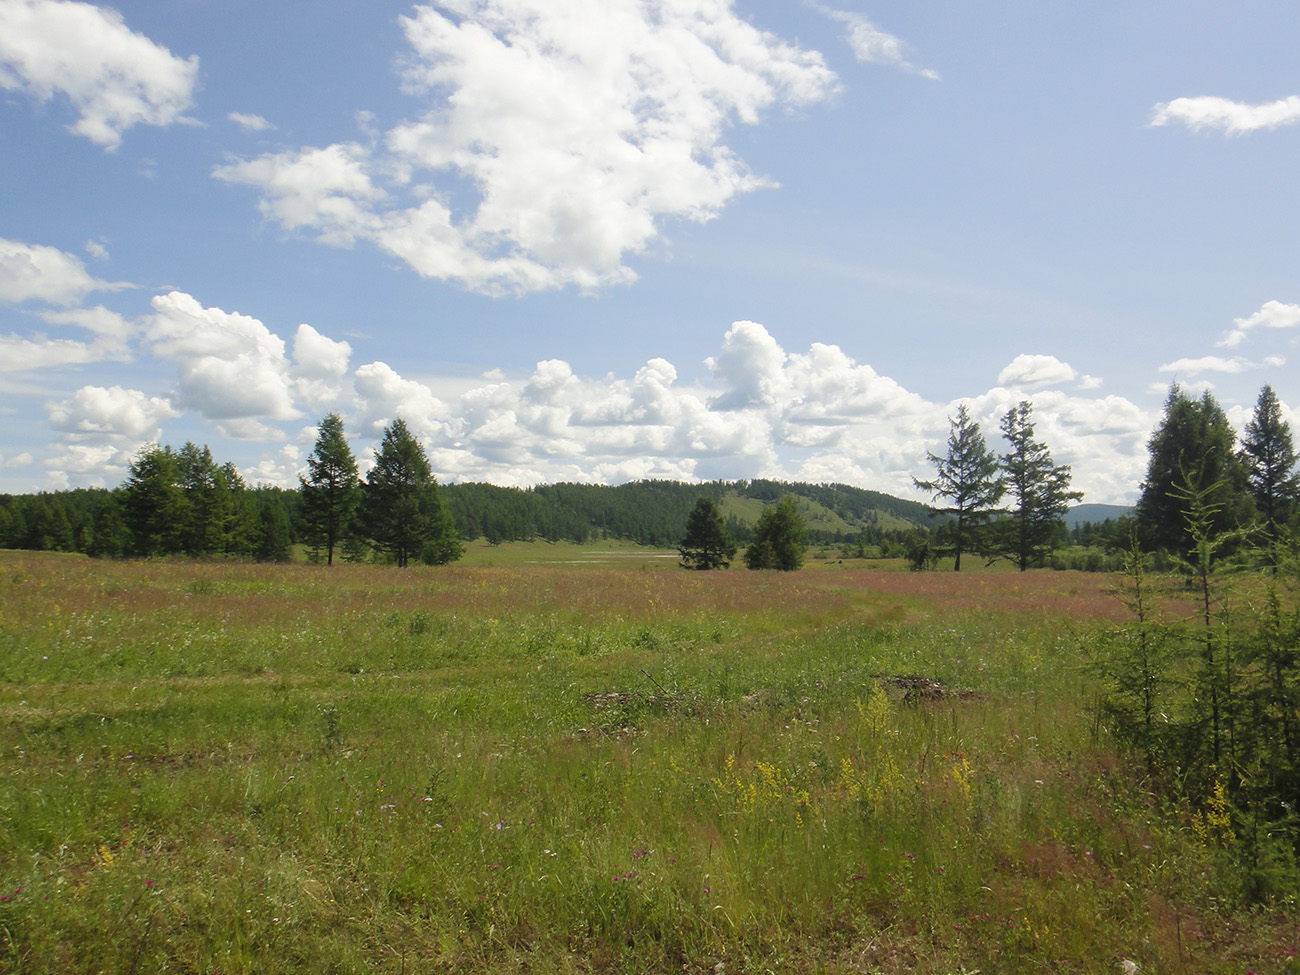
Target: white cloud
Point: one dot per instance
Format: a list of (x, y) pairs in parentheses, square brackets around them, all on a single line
[(1229, 117), (113, 77), (34, 272), (103, 428), (875, 46), (231, 367), (327, 190), (1214, 363), (1273, 314), (112, 411), (1033, 371), (560, 137), (250, 123), (38, 351)]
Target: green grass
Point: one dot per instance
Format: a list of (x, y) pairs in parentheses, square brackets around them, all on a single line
[(581, 767)]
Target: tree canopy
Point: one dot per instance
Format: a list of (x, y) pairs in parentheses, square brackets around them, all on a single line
[(779, 538), (969, 479), (404, 517), (1193, 447), (330, 494), (1039, 489), (707, 544)]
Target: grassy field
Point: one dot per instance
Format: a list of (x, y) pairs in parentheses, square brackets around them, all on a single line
[(553, 759)]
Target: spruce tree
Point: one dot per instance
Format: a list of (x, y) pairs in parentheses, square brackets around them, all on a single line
[(1040, 490), (330, 494), (707, 544), (968, 477)]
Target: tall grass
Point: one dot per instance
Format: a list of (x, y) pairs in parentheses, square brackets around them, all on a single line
[(494, 768)]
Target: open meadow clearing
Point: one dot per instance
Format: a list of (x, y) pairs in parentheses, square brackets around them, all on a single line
[(587, 764)]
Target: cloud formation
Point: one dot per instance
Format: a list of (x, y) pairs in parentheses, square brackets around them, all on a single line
[(1215, 363), (559, 139), (34, 272), (875, 46), (760, 411), (1273, 314), (1227, 116), (113, 77), (1034, 371)]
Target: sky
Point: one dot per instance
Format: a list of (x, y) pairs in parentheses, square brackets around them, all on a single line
[(607, 240)]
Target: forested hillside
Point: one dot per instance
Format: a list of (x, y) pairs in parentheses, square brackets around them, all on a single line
[(654, 513)]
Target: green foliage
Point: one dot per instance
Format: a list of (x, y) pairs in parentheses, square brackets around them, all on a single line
[(968, 478), (331, 492), (1208, 688), (154, 503), (780, 540), (404, 516), (1039, 489), (707, 544), (1195, 444), (1269, 454)]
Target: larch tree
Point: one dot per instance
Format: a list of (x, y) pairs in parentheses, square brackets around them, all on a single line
[(968, 478), (1039, 489), (1194, 447), (404, 516), (1270, 458), (331, 492), (707, 544), (780, 538)]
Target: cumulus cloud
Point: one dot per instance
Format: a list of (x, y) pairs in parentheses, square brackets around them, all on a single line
[(875, 46), (112, 411), (560, 137), (760, 411), (102, 429), (1273, 314), (1227, 116), (114, 77), (34, 272), (231, 367), (1033, 371)]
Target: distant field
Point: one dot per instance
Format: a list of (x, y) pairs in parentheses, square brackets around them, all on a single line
[(581, 759)]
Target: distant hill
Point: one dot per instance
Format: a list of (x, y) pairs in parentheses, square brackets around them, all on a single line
[(1095, 513), (655, 512)]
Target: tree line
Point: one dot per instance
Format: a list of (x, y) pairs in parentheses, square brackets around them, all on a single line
[(989, 505), (1250, 483)]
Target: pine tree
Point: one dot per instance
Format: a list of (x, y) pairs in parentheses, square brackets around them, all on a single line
[(780, 539), (331, 492), (707, 544), (1270, 458), (1040, 490), (404, 516), (968, 478)]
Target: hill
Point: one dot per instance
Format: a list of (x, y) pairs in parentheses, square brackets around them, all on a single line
[(655, 512), (1095, 514)]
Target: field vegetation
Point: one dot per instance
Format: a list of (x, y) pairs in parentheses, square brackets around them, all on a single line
[(584, 760)]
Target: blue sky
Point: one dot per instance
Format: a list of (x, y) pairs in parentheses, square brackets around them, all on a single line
[(598, 240)]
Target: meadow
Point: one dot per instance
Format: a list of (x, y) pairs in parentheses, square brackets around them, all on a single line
[(553, 759)]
